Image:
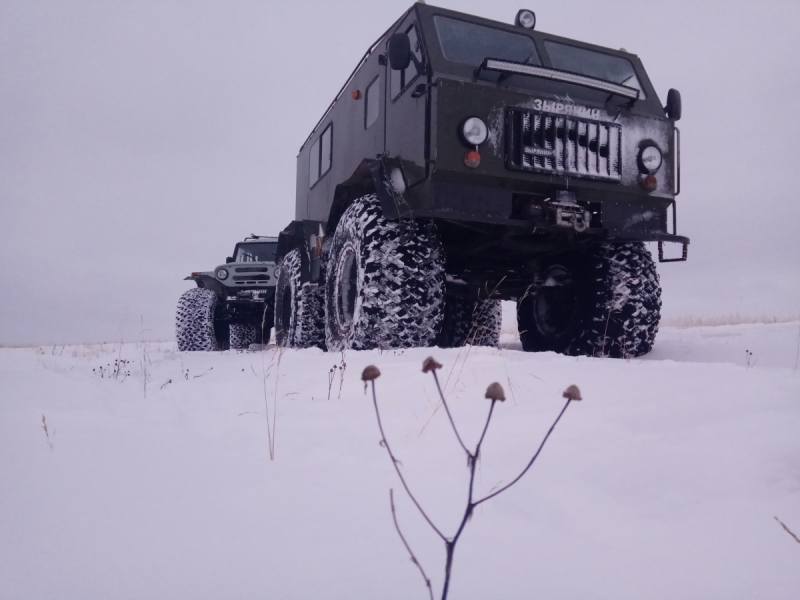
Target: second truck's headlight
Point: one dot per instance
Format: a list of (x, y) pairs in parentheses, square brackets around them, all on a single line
[(650, 159), (222, 273), (474, 131)]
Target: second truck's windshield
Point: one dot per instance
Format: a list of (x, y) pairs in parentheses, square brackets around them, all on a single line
[(256, 252)]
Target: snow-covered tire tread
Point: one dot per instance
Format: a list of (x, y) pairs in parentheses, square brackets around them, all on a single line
[(618, 304), (468, 321), (306, 326), (194, 321), (242, 336), (400, 280), (627, 304)]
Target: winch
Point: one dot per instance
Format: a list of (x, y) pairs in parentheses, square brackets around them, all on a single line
[(568, 213)]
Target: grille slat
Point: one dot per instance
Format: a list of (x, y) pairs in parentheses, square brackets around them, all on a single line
[(562, 144)]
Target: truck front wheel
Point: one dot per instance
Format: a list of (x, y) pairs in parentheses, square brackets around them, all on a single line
[(196, 327), (384, 284), (605, 301)]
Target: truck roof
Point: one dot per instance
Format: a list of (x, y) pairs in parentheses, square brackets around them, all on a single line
[(428, 10)]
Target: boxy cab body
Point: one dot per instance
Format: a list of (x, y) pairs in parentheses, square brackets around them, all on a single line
[(567, 126)]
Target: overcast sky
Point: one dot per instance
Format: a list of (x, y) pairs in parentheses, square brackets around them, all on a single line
[(140, 140)]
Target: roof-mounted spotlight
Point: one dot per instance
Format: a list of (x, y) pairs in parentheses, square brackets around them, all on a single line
[(525, 18)]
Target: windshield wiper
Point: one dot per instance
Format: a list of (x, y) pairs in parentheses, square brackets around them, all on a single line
[(509, 67)]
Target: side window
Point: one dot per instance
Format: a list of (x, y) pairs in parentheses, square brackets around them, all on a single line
[(319, 157), (400, 80), (373, 102), (325, 151)]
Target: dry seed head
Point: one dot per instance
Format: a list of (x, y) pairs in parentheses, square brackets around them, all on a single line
[(370, 373), (572, 393), (430, 364), (495, 392)]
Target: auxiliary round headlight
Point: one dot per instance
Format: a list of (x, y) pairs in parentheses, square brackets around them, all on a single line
[(474, 131), (650, 159), (222, 273), (525, 18)]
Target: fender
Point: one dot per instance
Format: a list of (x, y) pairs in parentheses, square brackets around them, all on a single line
[(298, 235), (368, 178), (208, 282)]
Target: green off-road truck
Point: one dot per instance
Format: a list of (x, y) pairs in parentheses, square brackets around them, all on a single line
[(231, 307), (467, 161)]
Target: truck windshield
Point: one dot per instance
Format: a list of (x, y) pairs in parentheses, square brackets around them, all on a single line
[(464, 42), (595, 64), (256, 252)]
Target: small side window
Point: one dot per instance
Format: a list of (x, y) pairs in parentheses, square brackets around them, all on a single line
[(400, 80), (325, 151), (313, 164), (373, 102), (319, 157)]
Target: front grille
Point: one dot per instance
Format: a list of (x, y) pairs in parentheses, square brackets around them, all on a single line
[(561, 144), (250, 279)]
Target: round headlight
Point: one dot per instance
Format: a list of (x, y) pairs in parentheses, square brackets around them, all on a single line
[(650, 159), (222, 273), (526, 18), (474, 131), (277, 271)]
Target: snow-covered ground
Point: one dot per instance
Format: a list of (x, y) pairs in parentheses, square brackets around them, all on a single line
[(663, 483)]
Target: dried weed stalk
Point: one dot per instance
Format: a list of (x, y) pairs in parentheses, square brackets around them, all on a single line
[(50, 440), (495, 394), (340, 368), (144, 361), (275, 361), (331, 377), (120, 369), (787, 530)]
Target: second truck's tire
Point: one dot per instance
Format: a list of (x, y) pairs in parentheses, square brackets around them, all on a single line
[(605, 301), (467, 321), (384, 284), (241, 336), (195, 326), (299, 309)]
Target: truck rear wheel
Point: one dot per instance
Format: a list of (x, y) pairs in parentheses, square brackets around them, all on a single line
[(605, 301), (195, 325), (384, 283), (241, 336), (299, 310), (466, 321)]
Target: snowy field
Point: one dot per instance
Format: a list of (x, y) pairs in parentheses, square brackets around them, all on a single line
[(663, 483)]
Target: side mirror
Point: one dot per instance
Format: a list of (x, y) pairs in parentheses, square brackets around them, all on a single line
[(399, 51), (673, 107), (229, 260)]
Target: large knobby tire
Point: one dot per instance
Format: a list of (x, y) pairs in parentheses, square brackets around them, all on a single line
[(605, 301), (195, 326), (241, 336), (467, 321), (299, 309), (384, 285)]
